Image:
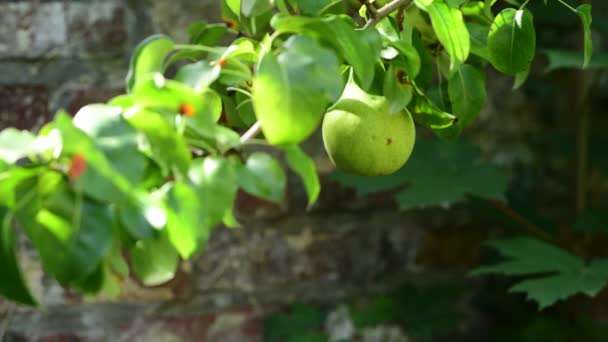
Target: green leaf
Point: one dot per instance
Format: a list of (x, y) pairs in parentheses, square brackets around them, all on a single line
[(148, 57), (559, 59), (252, 8), (512, 41), (185, 221), (397, 89), (467, 92), (99, 178), (313, 7), (304, 166), (292, 91), (154, 261), (360, 48), (426, 113), (215, 182), (199, 75), (438, 173), (114, 137), (558, 274), (479, 39), (450, 30), (16, 144), (13, 284), (202, 33), (584, 12), (263, 177), (142, 215), (393, 38), (166, 147)]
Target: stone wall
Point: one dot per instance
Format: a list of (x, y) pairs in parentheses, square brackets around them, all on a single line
[(65, 54)]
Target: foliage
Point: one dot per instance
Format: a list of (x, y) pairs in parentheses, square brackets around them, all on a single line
[(152, 171)]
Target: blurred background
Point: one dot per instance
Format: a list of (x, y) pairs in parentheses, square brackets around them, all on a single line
[(382, 259)]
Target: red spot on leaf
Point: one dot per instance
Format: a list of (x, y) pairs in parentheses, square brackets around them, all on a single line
[(221, 62), (187, 109), (78, 165)]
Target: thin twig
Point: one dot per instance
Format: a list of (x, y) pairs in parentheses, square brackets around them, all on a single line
[(386, 10), (373, 11), (252, 132), (522, 221)]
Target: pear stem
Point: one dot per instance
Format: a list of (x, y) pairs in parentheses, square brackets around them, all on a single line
[(386, 10), (252, 132)]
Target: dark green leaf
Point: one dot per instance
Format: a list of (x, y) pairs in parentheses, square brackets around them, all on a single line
[(202, 33), (141, 215), (479, 39), (467, 91), (13, 284), (262, 176), (304, 166), (154, 261), (565, 274), (512, 41), (148, 57)]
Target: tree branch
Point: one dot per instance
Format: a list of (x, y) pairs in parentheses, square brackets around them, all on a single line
[(252, 132), (373, 11), (386, 10)]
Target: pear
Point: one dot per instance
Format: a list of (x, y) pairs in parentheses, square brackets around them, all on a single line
[(361, 137)]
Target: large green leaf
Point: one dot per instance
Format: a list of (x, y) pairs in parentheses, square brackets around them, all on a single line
[(438, 173), (512, 41), (584, 12), (142, 215), (215, 183), (292, 91), (166, 147), (262, 176), (360, 48), (114, 137), (185, 225), (98, 179), (557, 273), (450, 29), (148, 57), (199, 75), (13, 284), (467, 92), (304, 166), (154, 261)]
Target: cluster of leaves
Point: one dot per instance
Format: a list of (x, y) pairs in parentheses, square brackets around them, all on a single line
[(152, 171), (425, 312)]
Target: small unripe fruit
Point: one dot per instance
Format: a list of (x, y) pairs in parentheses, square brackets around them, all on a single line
[(362, 137)]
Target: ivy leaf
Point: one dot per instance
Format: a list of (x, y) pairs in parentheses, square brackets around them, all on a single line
[(450, 30), (304, 166), (13, 285), (557, 273), (262, 176), (292, 91), (438, 173), (360, 48), (154, 261), (467, 92), (584, 12), (512, 41), (148, 57)]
